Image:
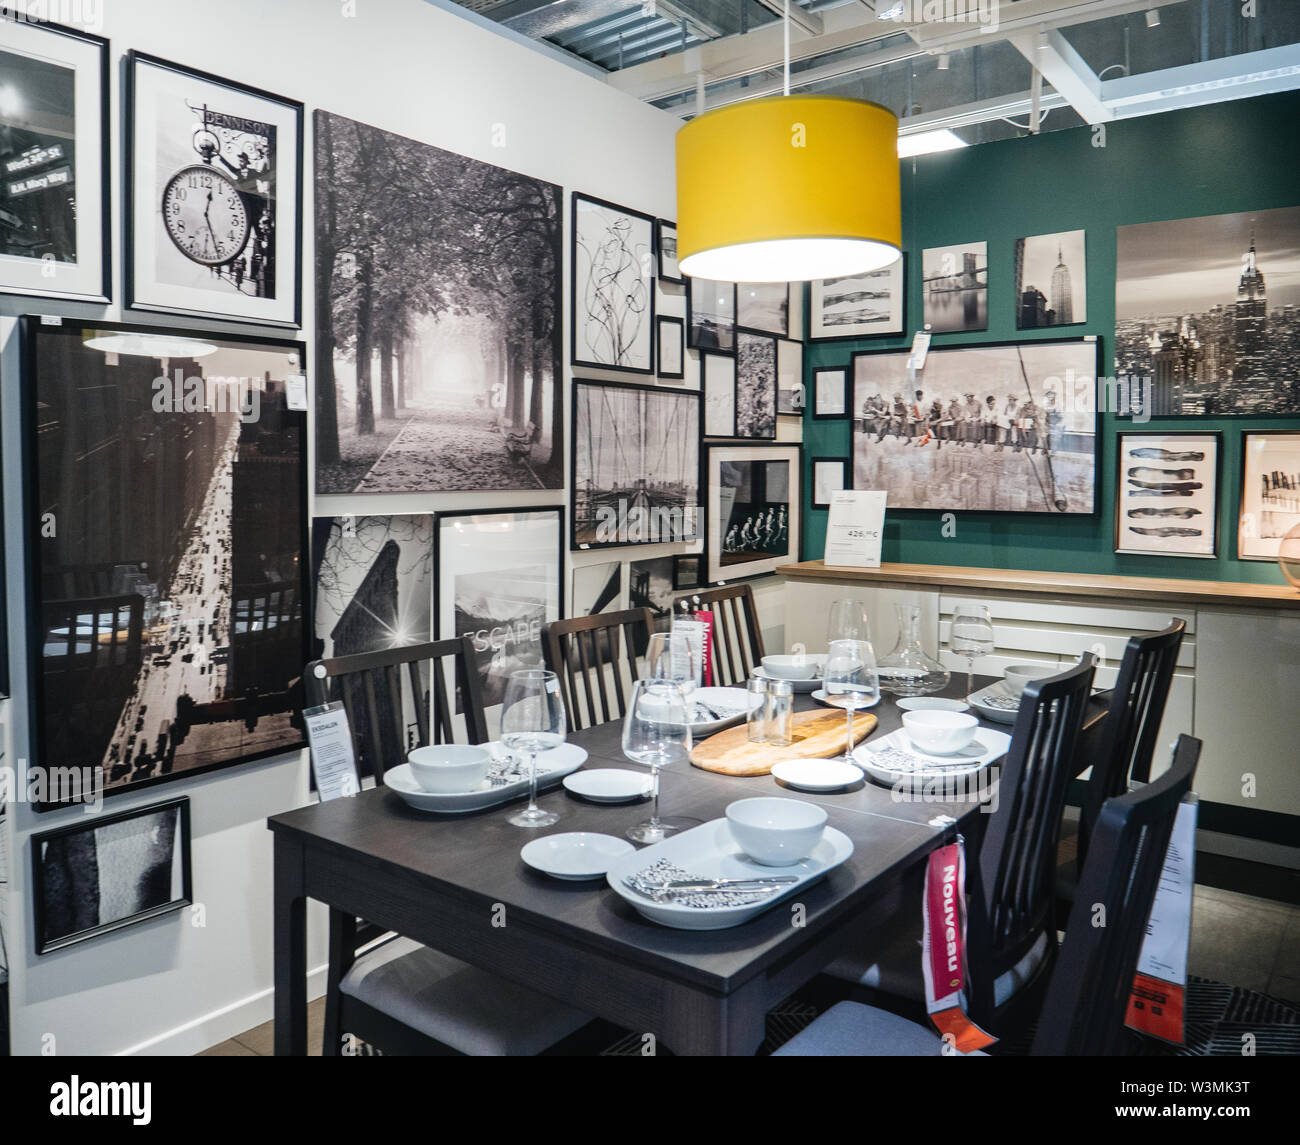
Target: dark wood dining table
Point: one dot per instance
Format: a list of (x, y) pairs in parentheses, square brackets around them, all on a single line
[(457, 883)]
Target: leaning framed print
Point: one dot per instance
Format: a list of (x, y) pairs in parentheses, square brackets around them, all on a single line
[(718, 382), (214, 196), (1270, 493), (859, 306), (500, 577), (55, 236), (666, 248), (636, 464), (711, 315), (672, 347), (829, 476), (1167, 494), (1000, 428), (753, 509), (756, 385), (613, 302), (830, 392), (93, 877), (166, 484), (763, 308)]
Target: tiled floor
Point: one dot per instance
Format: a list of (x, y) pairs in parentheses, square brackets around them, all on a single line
[(1236, 939)]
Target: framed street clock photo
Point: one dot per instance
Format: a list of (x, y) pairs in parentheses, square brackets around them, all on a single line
[(214, 196)]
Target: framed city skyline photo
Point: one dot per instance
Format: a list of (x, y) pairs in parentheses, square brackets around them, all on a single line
[(1167, 494), (666, 248), (1270, 493), (756, 385), (1051, 280), (711, 315), (830, 392), (214, 203), (1205, 309), (753, 514), (166, 609), (955, 288), (1003, 428), (859, 306), (457, 384), (613, 286), (763, 307), (55, 237), (636, 464), (672, 347)]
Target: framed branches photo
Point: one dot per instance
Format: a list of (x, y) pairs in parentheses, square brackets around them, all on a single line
[(214, 196), (711, 315), (859, 306), (666, 249), (672, 347), (55, 237), (830, 392), (613, 284), (1167, 493), (753, 509)]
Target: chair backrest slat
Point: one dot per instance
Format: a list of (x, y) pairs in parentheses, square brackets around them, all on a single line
[(582, 649), (735, 631)]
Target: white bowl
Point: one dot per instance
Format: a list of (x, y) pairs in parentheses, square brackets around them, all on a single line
[(792, 667), (575, 855), (1016, 676), (776, 832), (931, 704), (449, 767), (940, 733)]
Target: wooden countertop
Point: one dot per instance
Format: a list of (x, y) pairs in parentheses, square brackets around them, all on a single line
[(1119, 589)]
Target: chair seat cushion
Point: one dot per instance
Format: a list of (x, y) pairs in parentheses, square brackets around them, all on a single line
[(468, 1009), (850, 1029)]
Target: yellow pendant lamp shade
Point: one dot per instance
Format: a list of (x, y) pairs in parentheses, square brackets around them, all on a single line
[(788, 189)]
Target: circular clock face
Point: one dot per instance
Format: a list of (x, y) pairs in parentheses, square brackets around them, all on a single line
[(204, 215)]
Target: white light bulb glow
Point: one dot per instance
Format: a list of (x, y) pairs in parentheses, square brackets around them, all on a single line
[(150, 345), (790, 260)]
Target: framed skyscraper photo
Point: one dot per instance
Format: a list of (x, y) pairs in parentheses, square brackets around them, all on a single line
[(1051, 280)]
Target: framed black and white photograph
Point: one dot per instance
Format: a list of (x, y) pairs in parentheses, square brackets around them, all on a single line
[(1201, 312), (1004, 428), (650, 585), (166, 610), (688, 571), (829, 475), (830, 392), (763, 307), (597, 588), (214, 203), (613, 286), (719, 387), (1270, 493), (672, 347), (456, 384), (790, 396), (636, 464), (955, 288), (756, 385), (55, 236), (1167, 494), (373, 580), (666, 247), (710, 315), (90, 878), (859, 306), (753, 509), (1051, 280), (500, 581)]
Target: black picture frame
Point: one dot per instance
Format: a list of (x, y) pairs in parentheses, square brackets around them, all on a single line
[(743, 431), (690, 435), (784, 331), (789, 451), (688, 572), (636, 260), (727, 362), (845, 478), (694, 339), (1216, 495), (130, 153), (104, 240), (798, 392), (40, 900), (838, 415), (1243, 488), (31, 328), (893, 332), (662, 225), (670, 320), (1020, 284)]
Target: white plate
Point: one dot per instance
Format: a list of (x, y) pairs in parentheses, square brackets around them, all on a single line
[(574, 855), (817, 774), (999, 715), (798, 685), (731, 704), (609, 784), (822, 698), (895, 760), (709, 851), (552, 766), (931, 704)]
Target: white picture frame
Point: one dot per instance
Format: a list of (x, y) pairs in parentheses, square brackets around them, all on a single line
[(745, 482), (1167, 494)]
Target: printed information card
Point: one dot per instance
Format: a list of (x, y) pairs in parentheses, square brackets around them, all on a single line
[(333, 762), (855, 529)]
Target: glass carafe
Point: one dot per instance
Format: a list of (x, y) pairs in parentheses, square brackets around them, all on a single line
[(907, 670)]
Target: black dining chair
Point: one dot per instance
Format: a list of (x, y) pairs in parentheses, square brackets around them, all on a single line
[(737, 639), (1011, 939), (595, 658), (392, 992), (1087, 999)]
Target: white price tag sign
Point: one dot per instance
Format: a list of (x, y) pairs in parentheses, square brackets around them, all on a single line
[(920, 347), (333, 762), (295, 391), (855, 528)]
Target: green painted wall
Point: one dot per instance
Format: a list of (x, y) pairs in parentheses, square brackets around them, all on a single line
[(1238, 156)]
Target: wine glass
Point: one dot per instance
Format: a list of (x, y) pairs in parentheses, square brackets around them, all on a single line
[(971, 636), (671, 658), (657, 732), (532, 720), (849, 620), (851, 682)]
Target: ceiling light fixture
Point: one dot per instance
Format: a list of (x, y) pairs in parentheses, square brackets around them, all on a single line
[(1153, 17), (150, 345), (929, 142), (788, 188)]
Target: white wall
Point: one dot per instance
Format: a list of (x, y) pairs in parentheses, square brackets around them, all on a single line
[(405, 66)]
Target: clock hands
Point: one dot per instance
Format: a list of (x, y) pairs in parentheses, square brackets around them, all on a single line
[(208, 221)]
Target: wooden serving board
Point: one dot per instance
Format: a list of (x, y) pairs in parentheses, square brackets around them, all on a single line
[(815, 735)]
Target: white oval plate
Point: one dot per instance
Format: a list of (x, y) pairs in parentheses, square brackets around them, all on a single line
[(552, 766), (817, 774), (574, 855), (932, 704), (798, 685), (822, 698), (609, 784)]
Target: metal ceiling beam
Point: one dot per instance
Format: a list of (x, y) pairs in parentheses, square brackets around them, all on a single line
[(810, 22), (587, 40), (1211, 81), (580, 32), (643, 44), (1063, 68)]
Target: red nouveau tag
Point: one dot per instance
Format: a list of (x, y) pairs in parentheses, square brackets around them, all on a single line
[(706, 618)]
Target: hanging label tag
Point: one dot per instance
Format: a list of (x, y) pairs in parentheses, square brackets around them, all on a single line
[(295, 391), (920, 347), (333, 762)]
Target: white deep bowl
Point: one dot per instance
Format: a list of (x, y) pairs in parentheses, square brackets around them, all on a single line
[(941, 733), (791, 667), (776, 832), (1016, 676), (449, 767)]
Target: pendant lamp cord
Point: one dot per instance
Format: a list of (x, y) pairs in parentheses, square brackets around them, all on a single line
[(787, 47)]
